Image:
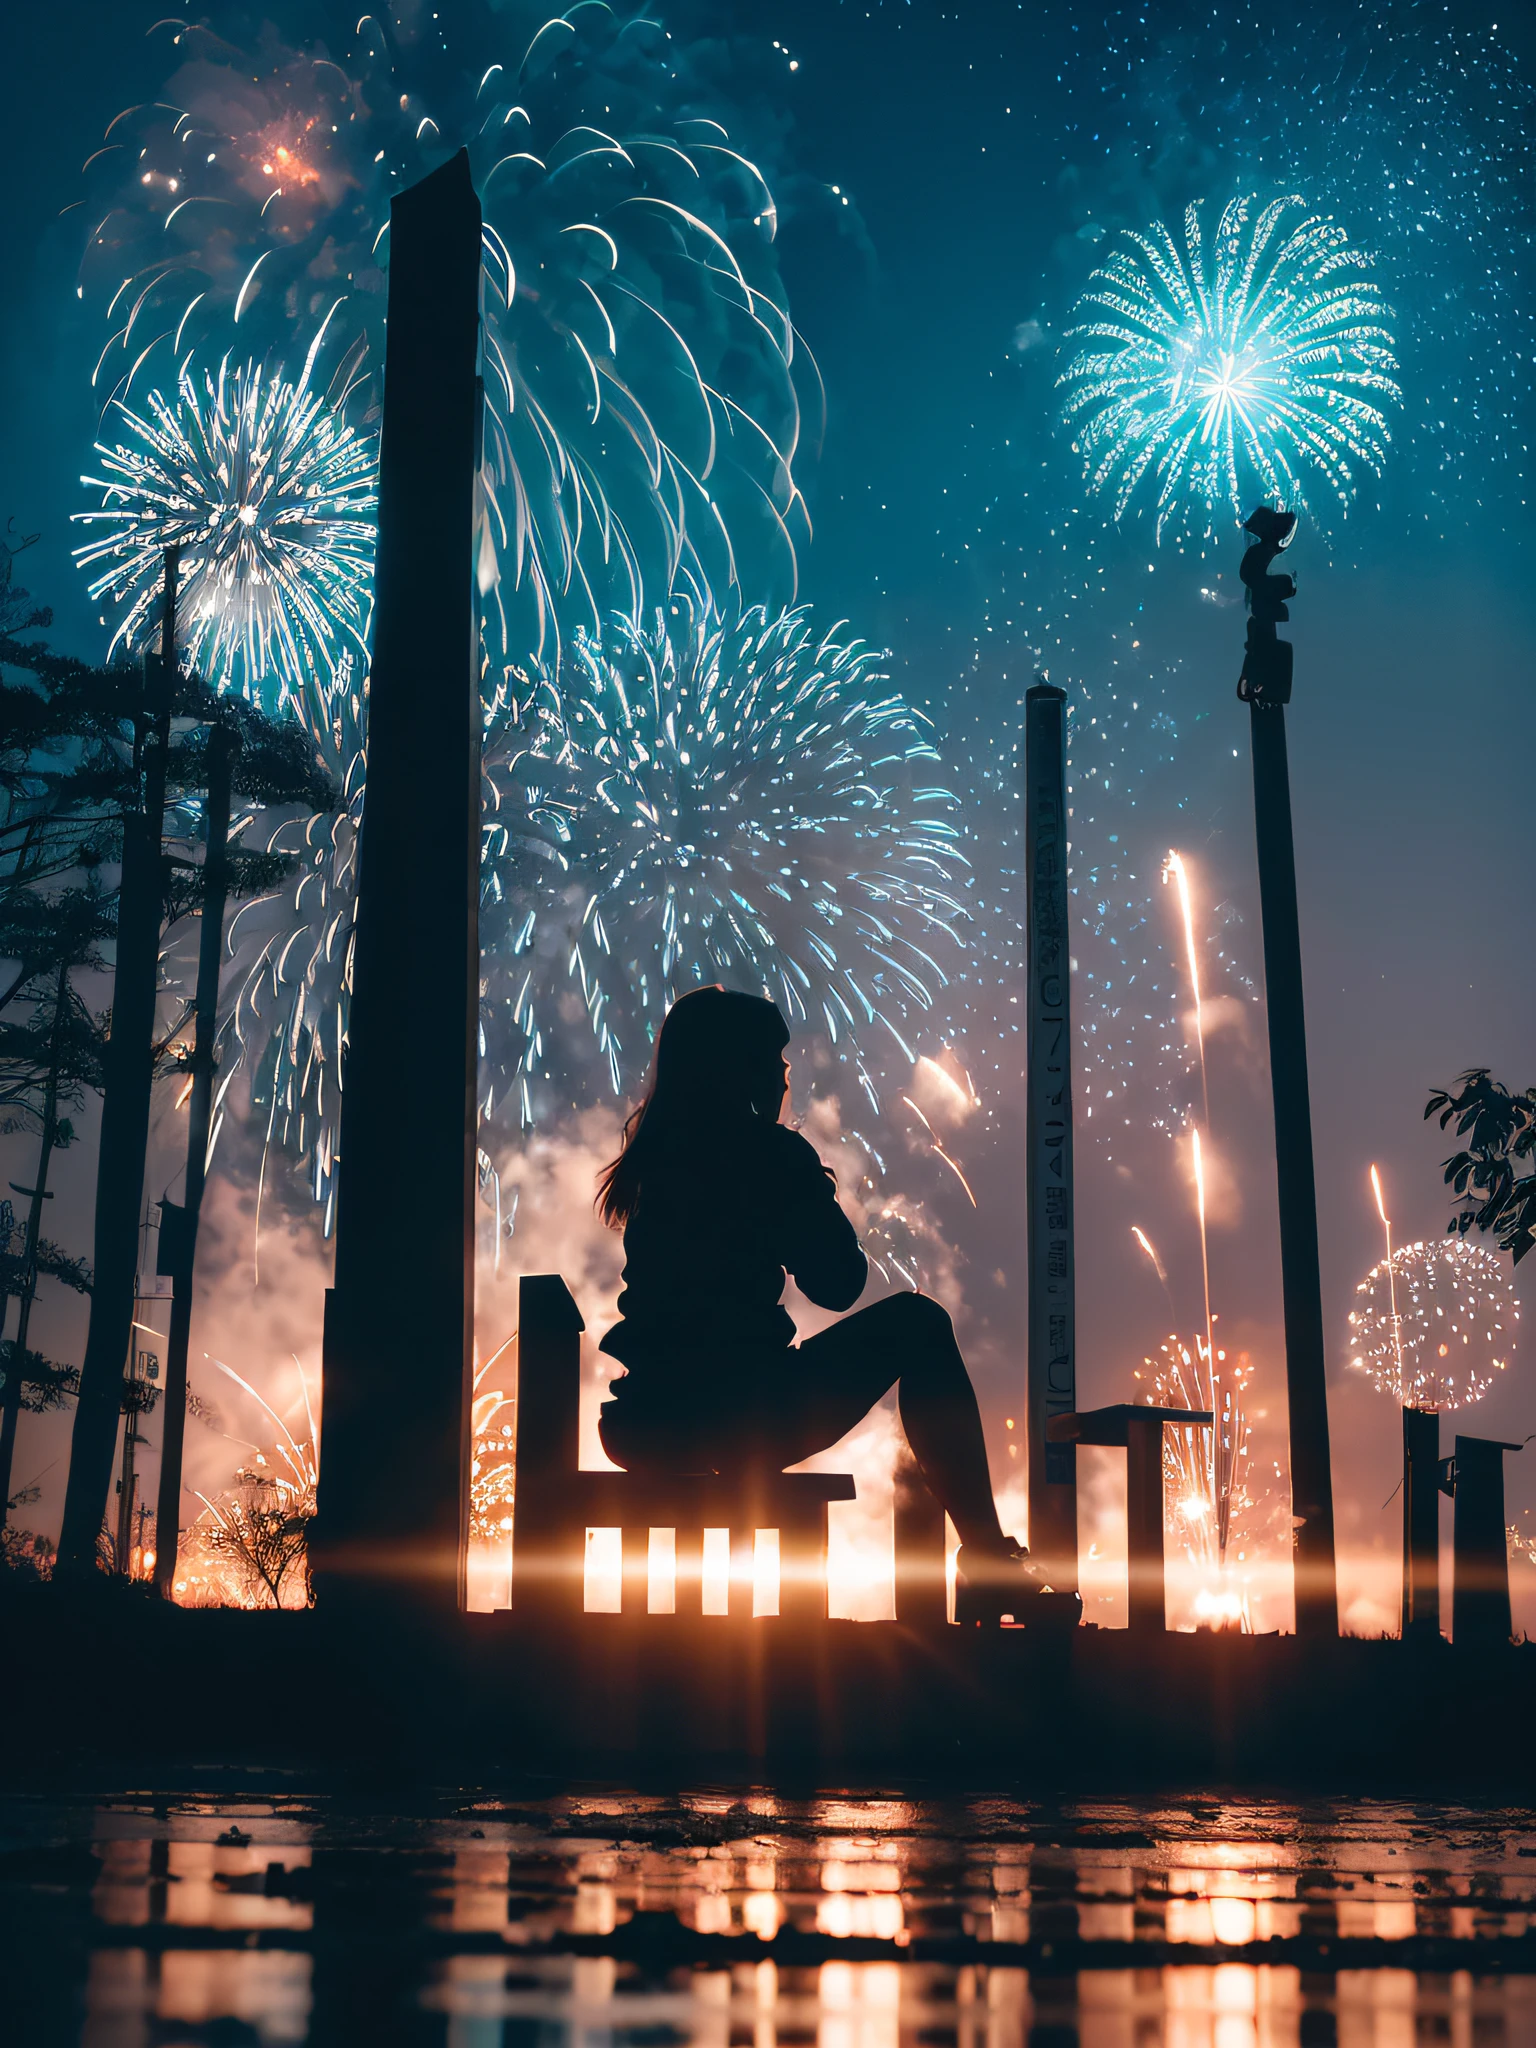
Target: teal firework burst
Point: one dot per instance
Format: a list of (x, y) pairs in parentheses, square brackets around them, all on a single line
[(269, 494), (695, 800), (1210, 370)]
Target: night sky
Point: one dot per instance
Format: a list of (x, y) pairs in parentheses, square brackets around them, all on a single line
[(947, 178)]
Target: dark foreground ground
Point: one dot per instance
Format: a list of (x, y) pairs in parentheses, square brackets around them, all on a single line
[(111, 1677)]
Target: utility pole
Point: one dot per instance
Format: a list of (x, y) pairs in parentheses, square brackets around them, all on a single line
[(10, 1399), (128, 1068), (178, 1222), (139, 1396), (1048, 1142), (1265, 686)]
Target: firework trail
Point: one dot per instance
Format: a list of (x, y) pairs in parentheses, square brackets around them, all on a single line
[(1256, 361), (292, 948), (1435, 1324), (640, 365), (703, 800), (1176, 870), (269, 494), (1386, 1224), (1150, 1249)]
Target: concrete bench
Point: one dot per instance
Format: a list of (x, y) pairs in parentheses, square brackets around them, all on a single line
[(556, 1502)]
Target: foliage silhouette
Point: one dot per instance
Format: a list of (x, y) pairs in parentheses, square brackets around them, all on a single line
[(1500, 1127)]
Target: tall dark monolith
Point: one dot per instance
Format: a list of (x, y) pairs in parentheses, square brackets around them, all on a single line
[(400, 1316), (1048, 1141)]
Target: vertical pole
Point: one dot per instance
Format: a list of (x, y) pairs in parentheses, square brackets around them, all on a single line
[(393, 1511), (1421, 1523), (1317, 1615), (1480, 1617), (127, 1486), (128, 1082), (179, 1225), (548, 1547), (922, 1596), (1146, 1602), (1048, 1141), (15, 1378)]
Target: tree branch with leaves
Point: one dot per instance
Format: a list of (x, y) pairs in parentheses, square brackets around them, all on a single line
[(1485, 1176)]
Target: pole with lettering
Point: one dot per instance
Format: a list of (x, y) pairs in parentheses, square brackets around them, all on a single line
[(1052, 1317)]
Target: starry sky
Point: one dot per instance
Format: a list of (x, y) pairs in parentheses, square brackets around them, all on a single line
[(947, 178)]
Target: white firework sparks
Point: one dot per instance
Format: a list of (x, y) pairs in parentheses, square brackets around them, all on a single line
[(1258, 362), (696, 801), (1436, 1327), (294, 947), (270, 495)]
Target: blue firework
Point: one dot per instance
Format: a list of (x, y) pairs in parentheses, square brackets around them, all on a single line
[(1209, 370), (699, 799), (269, 494)]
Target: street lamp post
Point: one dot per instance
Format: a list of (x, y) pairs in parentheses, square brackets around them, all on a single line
[(1265, 686)]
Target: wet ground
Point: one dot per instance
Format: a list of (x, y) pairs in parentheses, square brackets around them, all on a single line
[(246, 1911)]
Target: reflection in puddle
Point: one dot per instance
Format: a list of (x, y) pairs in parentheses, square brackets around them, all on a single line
[(634, 1922)]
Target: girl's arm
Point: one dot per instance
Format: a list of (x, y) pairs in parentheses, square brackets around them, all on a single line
[(819, 1246)]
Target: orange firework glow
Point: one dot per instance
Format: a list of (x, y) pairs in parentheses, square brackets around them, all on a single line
[(278, 156)]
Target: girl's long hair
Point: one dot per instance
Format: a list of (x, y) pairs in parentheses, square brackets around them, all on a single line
[(714, 1048)]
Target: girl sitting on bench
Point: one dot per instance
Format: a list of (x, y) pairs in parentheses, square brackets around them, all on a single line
[(717, 1200)]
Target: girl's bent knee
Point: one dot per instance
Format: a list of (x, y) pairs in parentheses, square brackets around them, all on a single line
[(919, 1314)]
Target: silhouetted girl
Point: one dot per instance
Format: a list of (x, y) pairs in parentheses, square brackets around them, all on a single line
[(717, 1199)]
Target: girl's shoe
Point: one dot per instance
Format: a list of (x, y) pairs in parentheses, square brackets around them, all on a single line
[(992, 1587)]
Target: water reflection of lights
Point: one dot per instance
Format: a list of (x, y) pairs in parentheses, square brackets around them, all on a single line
[(500, 1897)]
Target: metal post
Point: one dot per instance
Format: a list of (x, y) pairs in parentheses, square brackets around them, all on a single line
[(128, 1076), (1265, 686), (922, 1597), (548, 1532), (37, 1194), (1052, 1388), (1480, 1617), (179, 1221), (1421, 1523), (393, 1509), (127, 1487), (1140, 1432)]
